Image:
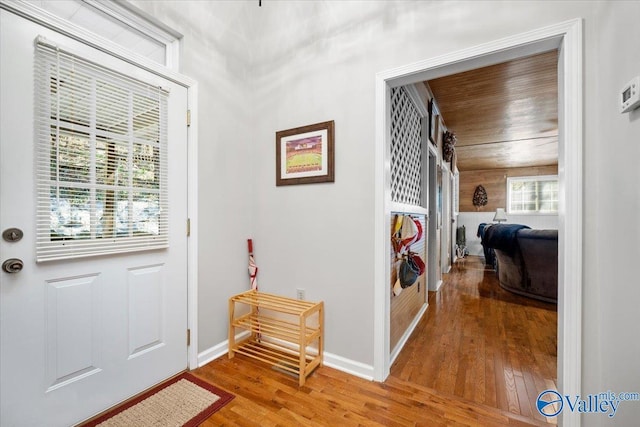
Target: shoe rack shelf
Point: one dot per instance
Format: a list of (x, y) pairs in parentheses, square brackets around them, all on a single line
[(284, 332)]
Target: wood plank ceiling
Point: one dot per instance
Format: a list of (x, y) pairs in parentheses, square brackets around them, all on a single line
[(504, 115)]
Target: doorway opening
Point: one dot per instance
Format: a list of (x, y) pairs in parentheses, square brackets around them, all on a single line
[(478, 341), (567, 39)]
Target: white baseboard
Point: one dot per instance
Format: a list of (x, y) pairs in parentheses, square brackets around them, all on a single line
[(348, 366), (437, 287), (218, 350), (212, 353), (407, 333), (331, 360)]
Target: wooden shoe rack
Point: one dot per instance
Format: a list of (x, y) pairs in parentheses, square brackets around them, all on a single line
[(284, 332)]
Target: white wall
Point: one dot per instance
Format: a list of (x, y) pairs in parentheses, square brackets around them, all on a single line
[(612, 230), (289, 64), (471, 220)]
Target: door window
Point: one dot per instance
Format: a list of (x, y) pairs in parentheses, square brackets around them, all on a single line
[(101, 140)]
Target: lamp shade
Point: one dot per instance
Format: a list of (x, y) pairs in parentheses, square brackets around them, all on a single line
[(500, 215)]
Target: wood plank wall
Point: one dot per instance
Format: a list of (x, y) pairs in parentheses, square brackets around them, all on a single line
[(406, 306), (495, 182)]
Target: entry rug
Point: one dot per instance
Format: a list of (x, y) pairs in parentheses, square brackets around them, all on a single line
[(182, 401)]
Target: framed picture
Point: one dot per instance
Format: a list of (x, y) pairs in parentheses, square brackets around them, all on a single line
[(434, 115), (305, 155)]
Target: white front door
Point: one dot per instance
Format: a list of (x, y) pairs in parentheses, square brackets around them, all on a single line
[(80, 335)]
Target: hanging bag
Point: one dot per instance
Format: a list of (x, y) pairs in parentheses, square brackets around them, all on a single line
[(408, 273)]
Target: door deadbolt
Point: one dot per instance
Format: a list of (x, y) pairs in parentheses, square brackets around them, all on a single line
[(12, 265), (12, 234)]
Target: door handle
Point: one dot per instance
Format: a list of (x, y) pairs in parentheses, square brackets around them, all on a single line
[(12, 265)]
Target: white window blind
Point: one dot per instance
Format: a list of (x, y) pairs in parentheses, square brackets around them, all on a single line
[(101, 159)]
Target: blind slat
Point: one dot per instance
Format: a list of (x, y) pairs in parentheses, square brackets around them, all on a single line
[(101, 155)]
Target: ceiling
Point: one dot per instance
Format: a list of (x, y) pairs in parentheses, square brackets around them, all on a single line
[(504, 115)]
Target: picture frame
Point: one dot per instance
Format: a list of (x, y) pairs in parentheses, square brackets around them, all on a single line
[(306, 154), (434, 115)]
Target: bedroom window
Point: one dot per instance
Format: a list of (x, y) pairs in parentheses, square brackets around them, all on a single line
[(101, 174), (532, 195)]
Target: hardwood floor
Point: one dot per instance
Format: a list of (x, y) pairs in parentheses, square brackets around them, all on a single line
[(266, 397), (461, 364), (482, 343)]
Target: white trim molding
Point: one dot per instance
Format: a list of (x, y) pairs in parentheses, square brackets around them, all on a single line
[(414, 93), (566, 37), (62, 26), (331, 360), (570, 217), (218, 350), (127, 13), (349, 366), (437, 286), (213, 353), (192, 212), (405, 337)]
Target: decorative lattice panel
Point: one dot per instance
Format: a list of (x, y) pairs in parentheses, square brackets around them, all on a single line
[(406, 149)]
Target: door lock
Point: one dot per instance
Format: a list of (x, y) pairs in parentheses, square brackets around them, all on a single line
[(12, 234), (12, 265)]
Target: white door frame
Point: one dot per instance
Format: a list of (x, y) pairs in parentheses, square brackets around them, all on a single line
[(39, 16), (567, 38), (435, 275)]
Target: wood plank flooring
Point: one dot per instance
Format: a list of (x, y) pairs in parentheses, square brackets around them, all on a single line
[(471, 354), (482, 343), (266, 397)]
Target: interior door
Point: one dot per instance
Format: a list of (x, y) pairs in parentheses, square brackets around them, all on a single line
[(78, 336)]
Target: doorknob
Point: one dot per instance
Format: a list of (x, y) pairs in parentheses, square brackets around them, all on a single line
[(12, 265)]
